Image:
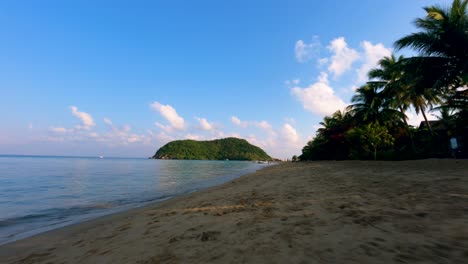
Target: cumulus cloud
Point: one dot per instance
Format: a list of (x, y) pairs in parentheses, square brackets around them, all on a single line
[(122, 135), (284, 142), (259, 124), (290, 133), (264, 125), (307, 51), (372, 55), (161, 136), (319, 97), (115, 136), (167, 129), (204, 124), (236, 121), (86, 119), (343, 56), (170, 114)]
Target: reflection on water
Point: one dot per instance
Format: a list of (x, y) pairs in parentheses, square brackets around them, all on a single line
[(42, 193)]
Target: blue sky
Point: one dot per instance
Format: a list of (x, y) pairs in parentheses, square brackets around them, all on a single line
[(122, 78)]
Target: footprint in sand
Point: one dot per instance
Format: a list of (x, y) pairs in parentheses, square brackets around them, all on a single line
[(209, 236)]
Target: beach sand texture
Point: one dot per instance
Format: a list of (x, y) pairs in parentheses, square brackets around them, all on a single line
[(315, 212)]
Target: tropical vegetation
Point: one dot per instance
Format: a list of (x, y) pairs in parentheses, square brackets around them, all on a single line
[(219, 149), (375, 125)]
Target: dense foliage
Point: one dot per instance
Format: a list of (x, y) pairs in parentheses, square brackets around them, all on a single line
[(375, 124), (219, 149)]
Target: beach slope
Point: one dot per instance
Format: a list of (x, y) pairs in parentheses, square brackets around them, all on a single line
[(317, 212)]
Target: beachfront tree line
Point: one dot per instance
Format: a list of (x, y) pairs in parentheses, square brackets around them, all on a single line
[(375, 125)]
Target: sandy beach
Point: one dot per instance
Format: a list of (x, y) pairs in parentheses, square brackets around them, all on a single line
[(315, 212)]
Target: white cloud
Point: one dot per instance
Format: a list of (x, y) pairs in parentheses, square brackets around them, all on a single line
[(305, 52), (93, 135), (127, 128), (107, 121), (264, 125), (319, 97), (170, 114), (58, 129), (167, 129), (161, 137), (85, 118), (372, 55), (343, 56), (204, 124), (121, 135), (134, 138), (115, 136), (322, 62), (290, 133), (236, 121), (259, 124), (292, 82), (290, 120), (194, 137)]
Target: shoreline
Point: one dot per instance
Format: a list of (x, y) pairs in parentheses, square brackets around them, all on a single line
[(65, 231), (18, 223), (327, 211)]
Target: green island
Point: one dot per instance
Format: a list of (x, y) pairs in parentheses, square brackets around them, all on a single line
[(218, 149)]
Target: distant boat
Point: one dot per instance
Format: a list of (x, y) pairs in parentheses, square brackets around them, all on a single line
[(101, 157)]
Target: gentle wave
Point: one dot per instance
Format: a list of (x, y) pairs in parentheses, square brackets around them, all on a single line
[(38, 194)]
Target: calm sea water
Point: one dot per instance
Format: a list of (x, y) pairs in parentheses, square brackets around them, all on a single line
[(42, 193)]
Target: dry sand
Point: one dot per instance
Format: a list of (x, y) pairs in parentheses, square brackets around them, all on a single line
[(317, 212)]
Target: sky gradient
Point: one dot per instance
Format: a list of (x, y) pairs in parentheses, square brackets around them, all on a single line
[(122, 78)]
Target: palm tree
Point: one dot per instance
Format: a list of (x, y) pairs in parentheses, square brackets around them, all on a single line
[(336, 125), (372, 106), (442, 43), (403, 86), (417, 89), (389, 75)]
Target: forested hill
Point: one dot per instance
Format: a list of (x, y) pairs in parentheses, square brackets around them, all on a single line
[(219, 149)]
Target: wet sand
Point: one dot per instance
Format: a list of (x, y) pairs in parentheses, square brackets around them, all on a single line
[(317, 212)]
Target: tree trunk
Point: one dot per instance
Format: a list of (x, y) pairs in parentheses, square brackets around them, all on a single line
[(375, 153), (407, 130), (427, 122)]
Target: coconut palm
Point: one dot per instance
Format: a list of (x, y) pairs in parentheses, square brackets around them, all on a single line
[(370, 105), (389, 74), (417, 89), (403, 86), (336, 124), (442, 43)]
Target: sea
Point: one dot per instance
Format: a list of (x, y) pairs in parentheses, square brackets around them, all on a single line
[(41, 193)]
